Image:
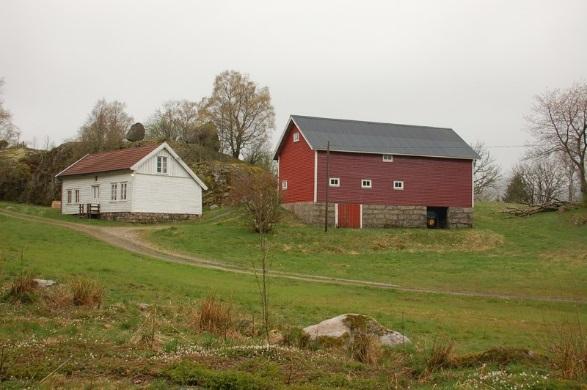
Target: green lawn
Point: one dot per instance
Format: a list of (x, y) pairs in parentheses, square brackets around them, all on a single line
[(539, 255), (39, 340)]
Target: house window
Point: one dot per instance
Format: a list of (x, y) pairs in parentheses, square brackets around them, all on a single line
[(388, 158), (334, 182), (76, 196), (122, 191), (161, 164), (96, 192), (296, 136), (365, 183), (398, 185), (69, 196), (114, 191), (284, 184)]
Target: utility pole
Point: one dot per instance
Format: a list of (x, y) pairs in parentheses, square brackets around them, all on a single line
[(327, 185)]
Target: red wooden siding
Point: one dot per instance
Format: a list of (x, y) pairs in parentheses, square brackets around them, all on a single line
[(427, 181), (296, 165), (349, 215)]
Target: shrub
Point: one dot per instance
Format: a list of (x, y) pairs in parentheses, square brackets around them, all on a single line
[(214, 316), (191, 374), (440, 355), (296, 337), (365, 348), (23, 288), (87, 292)]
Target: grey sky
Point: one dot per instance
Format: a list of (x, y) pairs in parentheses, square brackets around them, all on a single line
[(470, 65)]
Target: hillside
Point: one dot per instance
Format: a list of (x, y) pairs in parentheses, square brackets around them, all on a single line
[(124, 343)]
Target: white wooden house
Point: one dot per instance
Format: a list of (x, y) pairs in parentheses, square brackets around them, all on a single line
[(137, 184)]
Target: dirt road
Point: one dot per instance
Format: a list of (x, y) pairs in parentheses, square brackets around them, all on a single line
[(129, 238)]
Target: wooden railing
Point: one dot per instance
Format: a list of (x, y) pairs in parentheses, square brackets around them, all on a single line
[(89, 210)]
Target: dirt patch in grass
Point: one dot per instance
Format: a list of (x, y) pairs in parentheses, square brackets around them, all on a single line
[(576, 256)]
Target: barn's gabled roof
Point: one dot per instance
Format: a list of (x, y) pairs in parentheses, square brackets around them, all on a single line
[(380, 138), (114, 160)]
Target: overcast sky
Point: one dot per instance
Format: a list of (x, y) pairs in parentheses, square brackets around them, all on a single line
[(470, 65)]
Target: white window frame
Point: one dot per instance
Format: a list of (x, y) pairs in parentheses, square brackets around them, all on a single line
[(401, 187), (296, 136), (96, 192), (123, 189), (336, 181), (69, 196), (388, 158), (162, 165), (284, 185), (77, 196), (364, 185), (113, 192)]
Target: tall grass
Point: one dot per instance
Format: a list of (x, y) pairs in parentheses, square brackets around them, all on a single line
[(365, 348), (568, 350), (23, 288), (87, 292), (441, 355), (214, 316)]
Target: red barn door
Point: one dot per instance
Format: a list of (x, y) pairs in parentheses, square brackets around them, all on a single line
[(349, 215)]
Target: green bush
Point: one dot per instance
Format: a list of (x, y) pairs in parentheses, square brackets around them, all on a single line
[(191, 374)]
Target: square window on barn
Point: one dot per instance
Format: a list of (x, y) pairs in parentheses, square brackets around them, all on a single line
[(69, 196), (122, 191), (296, 136), (398, 185), (365, 183), (76, 196), (334, 182), (161, 164), (114, 192), (284, 184), (388, 157)]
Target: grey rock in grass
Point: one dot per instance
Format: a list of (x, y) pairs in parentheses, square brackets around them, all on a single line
[(44, 282), (347, 325)]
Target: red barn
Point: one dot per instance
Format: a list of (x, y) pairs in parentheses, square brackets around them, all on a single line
[(375, 174)]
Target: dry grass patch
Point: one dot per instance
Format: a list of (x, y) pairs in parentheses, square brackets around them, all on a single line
[(23, 288), (439, 241), (441, 355), (87, 292), (214, 316), (568, 351), (365, 348)]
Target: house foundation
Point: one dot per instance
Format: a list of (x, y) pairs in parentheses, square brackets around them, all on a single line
[(147, 217)]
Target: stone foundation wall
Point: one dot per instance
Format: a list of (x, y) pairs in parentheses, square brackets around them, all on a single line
[(146, 217), (459, 217), (383, 216), (311, 213)]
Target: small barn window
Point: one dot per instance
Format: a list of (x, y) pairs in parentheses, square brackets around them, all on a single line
[(161, 164), (122, 191), (398, 185), (69, 196), (114, 191), (76, 196), (365, 183), (284, 184), (296, 136), (388, 158), (334, 182)]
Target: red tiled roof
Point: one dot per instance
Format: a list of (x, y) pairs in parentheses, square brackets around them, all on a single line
[(108, 161)]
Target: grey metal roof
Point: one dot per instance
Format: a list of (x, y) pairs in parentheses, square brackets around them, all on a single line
[(384, 138)]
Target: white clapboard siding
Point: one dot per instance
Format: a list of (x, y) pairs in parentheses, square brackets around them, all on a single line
[(104, 180), (166, 194), (173, 167)]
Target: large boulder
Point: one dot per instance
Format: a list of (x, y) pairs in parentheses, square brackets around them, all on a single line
[(346, 326), (136, 132)]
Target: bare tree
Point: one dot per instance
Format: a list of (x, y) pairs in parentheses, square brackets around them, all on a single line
[(106, 126), (242, 113), (544, 179), (258, 193), (486, 172), (9, 133), (559, 122)]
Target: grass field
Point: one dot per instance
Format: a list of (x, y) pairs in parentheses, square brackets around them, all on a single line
[(546, 248), (539, 255)]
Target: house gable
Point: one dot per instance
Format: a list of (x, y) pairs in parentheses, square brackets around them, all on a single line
[(296, 164)]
